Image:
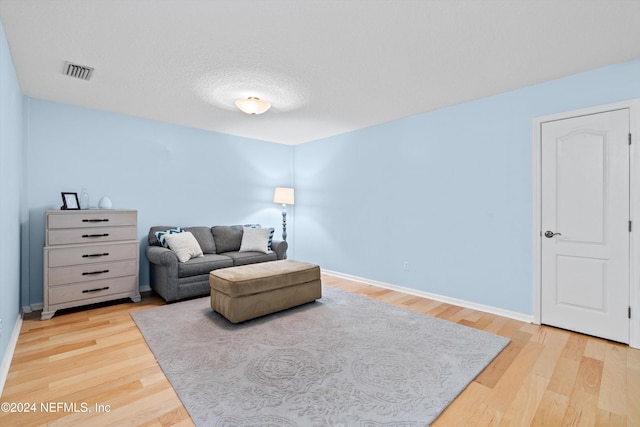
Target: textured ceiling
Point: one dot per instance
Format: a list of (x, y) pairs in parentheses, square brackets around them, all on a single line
[(327, 66)]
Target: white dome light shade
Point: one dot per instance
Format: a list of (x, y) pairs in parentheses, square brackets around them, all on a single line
[(253, 105)]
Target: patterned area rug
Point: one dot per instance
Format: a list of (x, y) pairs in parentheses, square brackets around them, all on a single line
[(344, 360)]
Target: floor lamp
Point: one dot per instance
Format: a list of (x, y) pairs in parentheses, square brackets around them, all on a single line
[(284, 196)]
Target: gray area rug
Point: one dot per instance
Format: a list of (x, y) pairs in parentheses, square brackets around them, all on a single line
[(344, 360)]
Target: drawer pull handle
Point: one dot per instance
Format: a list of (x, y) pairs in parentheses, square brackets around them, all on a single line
[(95, 255), (95, 235), (96, 220), (86, 291), (89, 273)]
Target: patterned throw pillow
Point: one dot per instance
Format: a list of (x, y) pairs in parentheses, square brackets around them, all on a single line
[(271, 231), (162, 235)]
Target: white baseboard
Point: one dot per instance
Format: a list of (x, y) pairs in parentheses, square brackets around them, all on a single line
[(145, 288), (8, 355), (528, 318)]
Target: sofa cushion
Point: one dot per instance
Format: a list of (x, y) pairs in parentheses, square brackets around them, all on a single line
[(244, 258), (184, 245), (255, 240), (204, 237), (203, 265), (161, 236), (228, 238)]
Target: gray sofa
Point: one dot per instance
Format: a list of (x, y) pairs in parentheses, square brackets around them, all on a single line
[(174, 280)]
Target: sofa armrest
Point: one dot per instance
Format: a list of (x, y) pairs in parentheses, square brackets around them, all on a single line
[(163, 272), (280, 248), (162, 256)]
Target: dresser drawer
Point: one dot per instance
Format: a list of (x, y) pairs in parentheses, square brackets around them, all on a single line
[(91, 272), (91, 219), (96, 289), (90, 235), (89, 254)]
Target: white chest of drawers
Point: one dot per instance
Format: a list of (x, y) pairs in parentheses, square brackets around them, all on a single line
[(90, 256)]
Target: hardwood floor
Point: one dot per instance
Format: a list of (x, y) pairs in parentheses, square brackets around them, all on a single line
[(98, 361)]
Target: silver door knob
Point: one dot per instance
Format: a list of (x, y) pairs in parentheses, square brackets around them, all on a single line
[(550, 234)]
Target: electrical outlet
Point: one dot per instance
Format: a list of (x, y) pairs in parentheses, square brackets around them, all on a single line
[(406, 266)]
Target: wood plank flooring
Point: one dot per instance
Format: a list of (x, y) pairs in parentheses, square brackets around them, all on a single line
[(93, 367)]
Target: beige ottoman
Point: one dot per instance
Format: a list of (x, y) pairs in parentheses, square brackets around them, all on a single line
[(250, 291)]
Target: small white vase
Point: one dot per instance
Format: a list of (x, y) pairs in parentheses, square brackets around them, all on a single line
[(105, 203), (84, 199)]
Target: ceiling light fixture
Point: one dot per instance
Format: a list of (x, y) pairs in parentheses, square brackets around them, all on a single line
[(253, 105)]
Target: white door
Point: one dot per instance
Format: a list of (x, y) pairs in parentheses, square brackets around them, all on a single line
[(585, 224)]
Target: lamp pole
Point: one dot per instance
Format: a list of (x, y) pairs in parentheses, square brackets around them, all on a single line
[(284, 222), (284, 196)]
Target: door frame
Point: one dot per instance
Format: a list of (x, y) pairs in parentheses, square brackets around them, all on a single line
[(634, 206)]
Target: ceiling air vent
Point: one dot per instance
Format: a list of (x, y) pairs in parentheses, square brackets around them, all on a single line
[(79, 71)]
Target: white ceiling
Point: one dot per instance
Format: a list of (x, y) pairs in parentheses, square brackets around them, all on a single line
[(327, 66)]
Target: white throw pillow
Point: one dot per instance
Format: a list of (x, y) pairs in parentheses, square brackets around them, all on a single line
[(255, 240), (184, 245), (271, 229)]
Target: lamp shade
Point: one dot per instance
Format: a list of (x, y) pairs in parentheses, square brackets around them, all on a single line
[(283, 196), (253, 105)]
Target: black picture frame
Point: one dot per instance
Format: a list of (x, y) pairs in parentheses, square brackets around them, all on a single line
[(70, 201)]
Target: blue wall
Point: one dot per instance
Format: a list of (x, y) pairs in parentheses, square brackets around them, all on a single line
[(448, 191), (172, 175), (11, 205)]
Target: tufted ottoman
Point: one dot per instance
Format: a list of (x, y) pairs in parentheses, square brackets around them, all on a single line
[(254, 290)]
